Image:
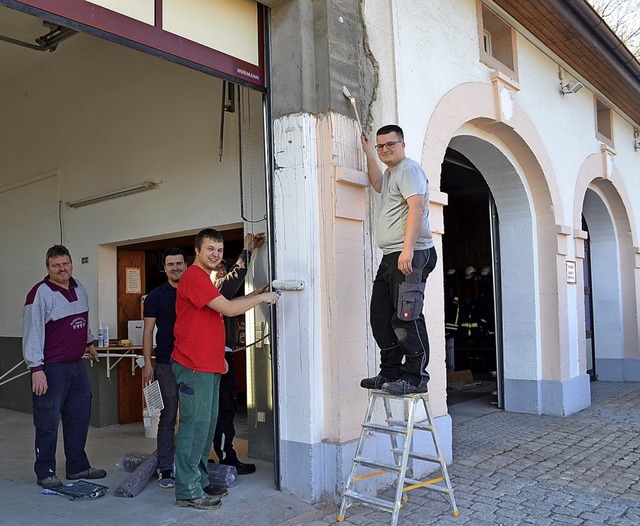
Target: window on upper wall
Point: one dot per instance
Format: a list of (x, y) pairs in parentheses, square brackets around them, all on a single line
[(604, 127), (497, 42)]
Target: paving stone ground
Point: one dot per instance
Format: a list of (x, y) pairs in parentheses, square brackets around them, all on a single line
[(512, 469)]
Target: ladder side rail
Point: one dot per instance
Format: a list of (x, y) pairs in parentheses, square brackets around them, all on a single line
[(346, 502), (443, 460), (390, 421), (409, 406)]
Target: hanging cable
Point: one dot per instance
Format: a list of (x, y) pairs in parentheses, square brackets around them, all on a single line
[(245, 149)]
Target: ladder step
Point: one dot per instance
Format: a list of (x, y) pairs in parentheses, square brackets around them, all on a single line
[(391, 468), (416, 426), (408, 397), (424, 427), (397, 423), (417, 456), (370, 500), (422, 483), (390, 430), (426, 458)]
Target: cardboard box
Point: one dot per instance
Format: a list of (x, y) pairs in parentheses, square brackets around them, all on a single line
[(134, 333)]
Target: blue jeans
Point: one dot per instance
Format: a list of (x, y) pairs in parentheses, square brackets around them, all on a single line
[(68, 396), (198, 395), (396, 337), (167, 425)]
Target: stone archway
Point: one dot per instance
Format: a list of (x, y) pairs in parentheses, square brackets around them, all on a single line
[(539, 371), (604, 205), (520, 305)]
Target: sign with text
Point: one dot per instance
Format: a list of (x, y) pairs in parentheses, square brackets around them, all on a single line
[(571, 272)]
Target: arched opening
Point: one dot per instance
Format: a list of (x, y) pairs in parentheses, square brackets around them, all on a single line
[(470, 289), (610, 260), (516, 355)]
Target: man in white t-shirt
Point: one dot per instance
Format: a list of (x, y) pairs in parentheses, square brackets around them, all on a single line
[(404, 236)]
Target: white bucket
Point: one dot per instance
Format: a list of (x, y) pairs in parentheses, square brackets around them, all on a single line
[(150, 424)]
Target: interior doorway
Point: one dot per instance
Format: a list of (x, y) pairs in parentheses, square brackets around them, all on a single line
[(470, 268), (147, 257)]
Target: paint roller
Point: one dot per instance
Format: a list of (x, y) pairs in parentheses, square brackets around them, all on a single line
[(287, 284)]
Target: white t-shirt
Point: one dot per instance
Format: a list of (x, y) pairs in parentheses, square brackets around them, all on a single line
[(406, 180)]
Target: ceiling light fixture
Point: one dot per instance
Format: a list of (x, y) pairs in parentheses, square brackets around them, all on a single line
[(142, 187)]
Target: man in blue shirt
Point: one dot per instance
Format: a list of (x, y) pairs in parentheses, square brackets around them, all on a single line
[(160, 311)]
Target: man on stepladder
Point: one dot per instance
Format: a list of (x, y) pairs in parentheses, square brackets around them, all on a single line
[(404, 236)]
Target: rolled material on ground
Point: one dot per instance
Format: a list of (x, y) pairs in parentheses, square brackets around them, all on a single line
[(136, 482), (131, 461), (222, 475)]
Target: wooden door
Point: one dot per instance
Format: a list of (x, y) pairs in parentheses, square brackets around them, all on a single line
[(131, 287)]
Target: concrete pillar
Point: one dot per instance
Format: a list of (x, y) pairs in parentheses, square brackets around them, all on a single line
[(320, 215)]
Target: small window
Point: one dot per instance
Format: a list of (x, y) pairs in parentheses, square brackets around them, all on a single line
[(497, 42), (486, 42), (604, 129)]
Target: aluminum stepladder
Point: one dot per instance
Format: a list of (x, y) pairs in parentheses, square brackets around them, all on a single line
[(401, 431)]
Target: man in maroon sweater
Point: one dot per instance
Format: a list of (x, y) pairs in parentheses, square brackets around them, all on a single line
[(55, 337)]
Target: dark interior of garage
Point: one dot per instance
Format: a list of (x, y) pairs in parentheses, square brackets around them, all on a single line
[(468, 248)]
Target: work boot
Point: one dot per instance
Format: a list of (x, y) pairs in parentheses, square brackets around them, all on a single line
[(215, 491), (204, 502), (403, 387), (241, 467), (52, 482), (91, 473), (375, 382)]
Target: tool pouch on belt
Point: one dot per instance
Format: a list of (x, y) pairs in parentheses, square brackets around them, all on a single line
[(410, 301)]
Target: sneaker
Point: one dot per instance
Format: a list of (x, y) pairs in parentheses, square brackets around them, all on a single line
[(50, 482), (205, 502), (241, 467), (374, 382), (403, 387), (166, 478), (91, 473), (215, 491)]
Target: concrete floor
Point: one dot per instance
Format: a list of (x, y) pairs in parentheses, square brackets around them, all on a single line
[(24, 504), (254, 500)]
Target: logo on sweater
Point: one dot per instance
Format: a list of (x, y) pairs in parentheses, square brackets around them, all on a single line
[(78, 323)]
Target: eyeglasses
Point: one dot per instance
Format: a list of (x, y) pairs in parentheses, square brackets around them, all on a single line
[(388, 145)]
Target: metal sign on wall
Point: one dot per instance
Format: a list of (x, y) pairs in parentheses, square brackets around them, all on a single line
[(220, 36)]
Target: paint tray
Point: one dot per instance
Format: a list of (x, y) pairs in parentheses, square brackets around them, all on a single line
[(153, 398)]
